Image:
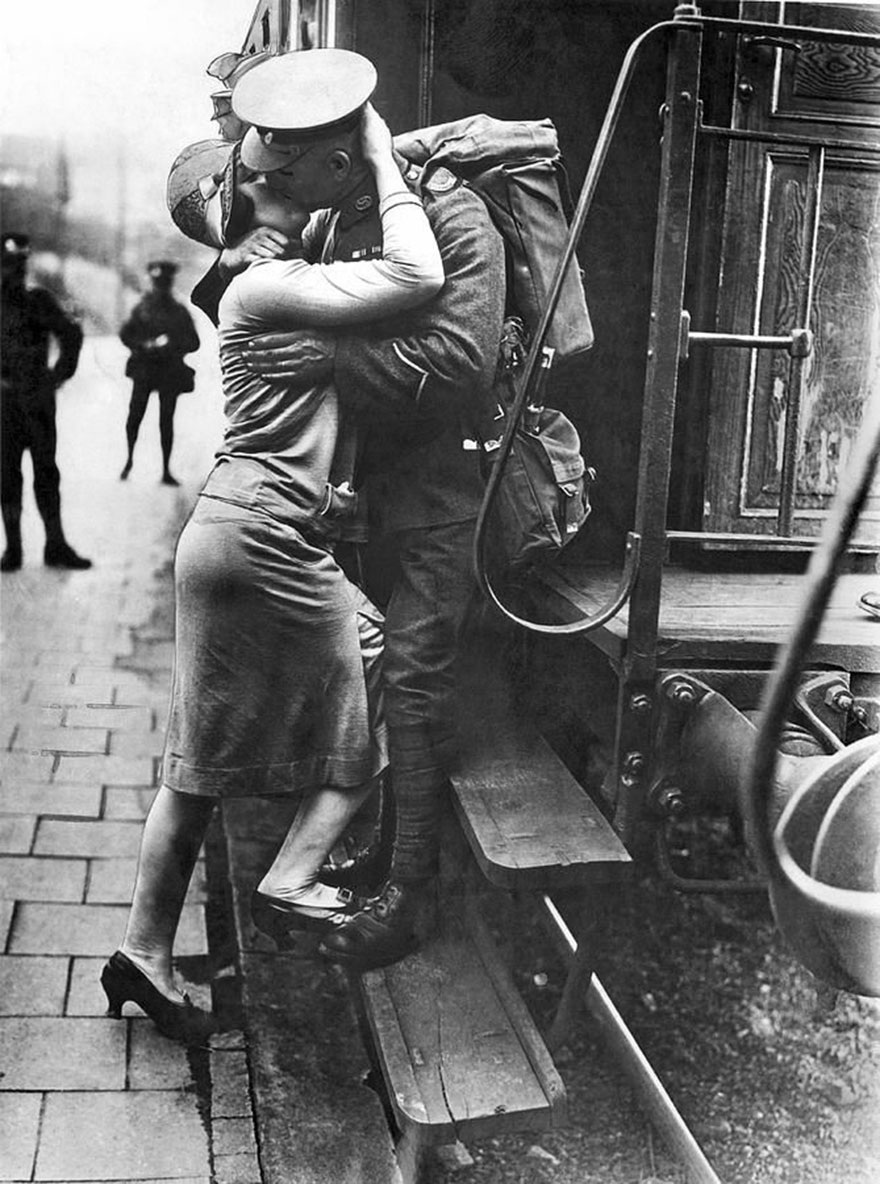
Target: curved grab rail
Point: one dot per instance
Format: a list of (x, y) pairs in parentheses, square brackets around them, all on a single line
[(584, 624), (530, 368)]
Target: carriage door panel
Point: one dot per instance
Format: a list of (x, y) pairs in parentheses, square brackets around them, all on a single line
[(834, 92)]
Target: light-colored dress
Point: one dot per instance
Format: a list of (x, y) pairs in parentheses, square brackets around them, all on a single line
[(276, 685)]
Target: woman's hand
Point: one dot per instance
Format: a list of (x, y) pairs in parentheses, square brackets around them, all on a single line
[(375, 136), (262, 243)]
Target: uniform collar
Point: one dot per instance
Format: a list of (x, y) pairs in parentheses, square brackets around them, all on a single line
[(356, 206)]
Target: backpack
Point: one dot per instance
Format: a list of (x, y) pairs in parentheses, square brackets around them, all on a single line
[(516, 169), (542, 497)]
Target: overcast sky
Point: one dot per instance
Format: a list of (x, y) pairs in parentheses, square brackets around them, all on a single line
[(93, 72)]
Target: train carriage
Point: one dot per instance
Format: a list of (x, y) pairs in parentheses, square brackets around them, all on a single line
[(701, 648)]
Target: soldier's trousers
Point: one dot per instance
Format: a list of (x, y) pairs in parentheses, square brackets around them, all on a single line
[(428, 606), (29, 429)]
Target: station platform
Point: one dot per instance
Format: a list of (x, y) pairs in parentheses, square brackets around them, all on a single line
[(86, 671)]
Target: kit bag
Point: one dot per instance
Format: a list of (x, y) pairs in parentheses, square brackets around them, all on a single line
[(543, 497)]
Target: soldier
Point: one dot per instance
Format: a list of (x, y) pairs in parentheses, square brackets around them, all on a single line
[(413, 379), (31, 318), (159, 332)]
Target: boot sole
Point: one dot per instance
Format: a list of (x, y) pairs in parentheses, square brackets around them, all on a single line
[(361, 964)]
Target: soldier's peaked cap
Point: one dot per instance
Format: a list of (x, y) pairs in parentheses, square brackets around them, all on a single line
[(306, 93)]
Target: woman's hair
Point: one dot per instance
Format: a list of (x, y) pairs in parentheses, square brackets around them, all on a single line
[(241, 217)]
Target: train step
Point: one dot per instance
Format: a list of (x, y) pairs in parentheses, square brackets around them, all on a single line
[(529, 822), (460, 1055)]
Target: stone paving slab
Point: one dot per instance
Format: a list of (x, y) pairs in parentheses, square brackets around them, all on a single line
[(26, 766), (32, 985), (71, 800), (28, 877), (136, 1135), (122, 716), (19, 1124), (61, 1053), (137, 744), (131, 802), (106, 770), (93, 929), (90, 839), (37, 737), (17, 833), (154, 1062), (7, 908), (86, 996)]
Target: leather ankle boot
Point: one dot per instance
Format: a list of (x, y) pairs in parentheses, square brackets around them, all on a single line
[(393, 923), (11, 560), (61, 554)]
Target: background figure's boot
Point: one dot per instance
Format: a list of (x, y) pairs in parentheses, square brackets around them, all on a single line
[(58, 552), (11, 560)]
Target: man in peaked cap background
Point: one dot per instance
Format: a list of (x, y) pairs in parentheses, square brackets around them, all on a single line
[(159, 332), (29, 319), (410, 382)]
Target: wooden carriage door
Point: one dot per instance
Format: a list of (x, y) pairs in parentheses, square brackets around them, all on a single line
[(822, 90)]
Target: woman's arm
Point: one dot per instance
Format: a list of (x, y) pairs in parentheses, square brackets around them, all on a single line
[(409, 273)]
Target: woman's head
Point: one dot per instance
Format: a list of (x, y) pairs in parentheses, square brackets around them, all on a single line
[(215, 200)]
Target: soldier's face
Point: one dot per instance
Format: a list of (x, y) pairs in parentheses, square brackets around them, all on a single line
[(307, 181), (275, 210)]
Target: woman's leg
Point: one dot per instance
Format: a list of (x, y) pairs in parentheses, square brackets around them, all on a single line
[(319, 822), (173, 834)]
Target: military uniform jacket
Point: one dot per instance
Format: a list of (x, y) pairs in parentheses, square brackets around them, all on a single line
[(422, 376), (30, 317), (162, 367)]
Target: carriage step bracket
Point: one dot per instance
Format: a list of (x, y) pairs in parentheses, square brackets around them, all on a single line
[(529, 823), (459, 1052)]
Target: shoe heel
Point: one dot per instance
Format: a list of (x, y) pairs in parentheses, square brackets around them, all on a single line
[(115, 993)]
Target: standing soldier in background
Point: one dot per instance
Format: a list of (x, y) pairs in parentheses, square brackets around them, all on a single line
[(159, 332), (29, 319)]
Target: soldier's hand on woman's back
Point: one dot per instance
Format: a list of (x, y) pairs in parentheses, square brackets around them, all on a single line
[(295, 355)]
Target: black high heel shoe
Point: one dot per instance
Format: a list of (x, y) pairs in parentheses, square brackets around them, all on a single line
[(124, 982), (283, 920)]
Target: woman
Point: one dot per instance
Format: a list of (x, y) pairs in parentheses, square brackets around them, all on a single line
[(269, 690)]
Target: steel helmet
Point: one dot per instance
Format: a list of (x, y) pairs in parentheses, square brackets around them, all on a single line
[(201, 190)]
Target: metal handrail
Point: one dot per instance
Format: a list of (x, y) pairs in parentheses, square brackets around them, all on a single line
[(684, 16), (531, 370)]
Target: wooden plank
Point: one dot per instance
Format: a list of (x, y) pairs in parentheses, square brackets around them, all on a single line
[(528, 821), (535, 1049), (714, 616), (455, 1064)]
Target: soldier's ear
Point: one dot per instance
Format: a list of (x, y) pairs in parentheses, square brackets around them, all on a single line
[(340, 164)]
